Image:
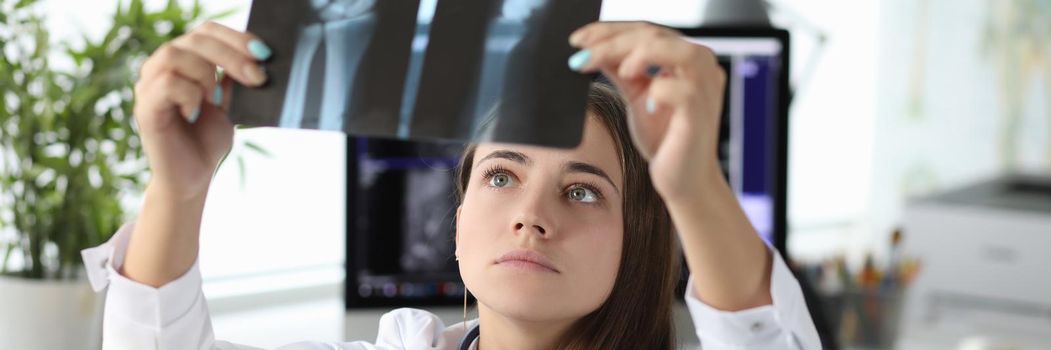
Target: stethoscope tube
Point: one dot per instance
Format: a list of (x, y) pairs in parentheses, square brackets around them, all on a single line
[(469, 338)]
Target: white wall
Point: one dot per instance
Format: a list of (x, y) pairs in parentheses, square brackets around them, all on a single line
[(951, 73), (831, 123)]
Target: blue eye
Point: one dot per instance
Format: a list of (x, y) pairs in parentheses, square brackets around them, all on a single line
[(583, 194), (500, 180)]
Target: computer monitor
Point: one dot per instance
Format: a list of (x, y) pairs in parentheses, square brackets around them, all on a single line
[(753, 137), (401, 203), (401, 194)]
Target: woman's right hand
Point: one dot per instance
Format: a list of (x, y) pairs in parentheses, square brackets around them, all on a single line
[(181, 112), (181, 108)]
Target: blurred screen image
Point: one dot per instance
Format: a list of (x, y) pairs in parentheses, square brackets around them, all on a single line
[(401, 210), (748, 142)]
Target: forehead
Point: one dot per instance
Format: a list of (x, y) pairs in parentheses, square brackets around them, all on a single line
[(596, 147)]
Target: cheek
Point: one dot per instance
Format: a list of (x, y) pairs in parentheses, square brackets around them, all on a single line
[(477, 217), (598, 248), (476, 244), (602, 245), (598, 233)]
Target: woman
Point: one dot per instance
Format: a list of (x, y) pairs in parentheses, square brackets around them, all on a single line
[(562, 248)]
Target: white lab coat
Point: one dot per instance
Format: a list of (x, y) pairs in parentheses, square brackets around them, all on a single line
[(175, 316)]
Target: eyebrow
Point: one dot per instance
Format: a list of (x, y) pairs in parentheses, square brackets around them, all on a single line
[(571, 166), (513, 156), (581, 167)]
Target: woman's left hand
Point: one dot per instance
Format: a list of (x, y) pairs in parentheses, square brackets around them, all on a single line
[(674, 89), (674, 120)]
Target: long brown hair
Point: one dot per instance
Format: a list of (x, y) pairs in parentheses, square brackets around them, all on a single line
[(638, 312)]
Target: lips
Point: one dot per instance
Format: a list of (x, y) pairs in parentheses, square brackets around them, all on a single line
[(527, 259)]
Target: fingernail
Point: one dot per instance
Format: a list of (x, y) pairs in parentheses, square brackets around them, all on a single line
[(579, 59), (192, 118), (217, 95), (255, 73), (259, 49), (651, 105), (576, 38)]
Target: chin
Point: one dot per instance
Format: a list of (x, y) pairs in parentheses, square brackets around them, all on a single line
[(532, 309), (530, 299)]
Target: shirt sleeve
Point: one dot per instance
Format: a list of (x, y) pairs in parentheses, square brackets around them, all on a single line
[(784, 324), (175, 316), (138, 316)]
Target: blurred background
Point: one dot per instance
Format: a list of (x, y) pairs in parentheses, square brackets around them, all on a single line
[(918, 207)]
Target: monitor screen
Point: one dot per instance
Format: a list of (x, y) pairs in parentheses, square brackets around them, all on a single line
[(401, 204), (401, 194), (752, 116)]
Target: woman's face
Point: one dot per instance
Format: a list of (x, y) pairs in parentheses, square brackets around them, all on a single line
[(527, 207)]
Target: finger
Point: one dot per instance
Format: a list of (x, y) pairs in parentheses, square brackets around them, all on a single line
[(678, 105), (235, 63), (598, 31), (650, 118), (687, 99), (609, 52), (226, 85), (247, 43), (167, 93), (221, 87), (630, 89), (183, 62), (666, 112), (667, 93), (673, 54), (214, 129)]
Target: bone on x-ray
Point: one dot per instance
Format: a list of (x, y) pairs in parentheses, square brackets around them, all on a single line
[(467, 70)]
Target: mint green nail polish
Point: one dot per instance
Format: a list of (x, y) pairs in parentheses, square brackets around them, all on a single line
[(194, 115), (651, 105), (217, 95), (579, 59), (259, 49)]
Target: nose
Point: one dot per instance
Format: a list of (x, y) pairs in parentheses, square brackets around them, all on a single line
[(519, 227), (532, 217)]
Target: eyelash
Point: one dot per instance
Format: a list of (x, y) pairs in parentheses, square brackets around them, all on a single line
[(495, 170), (590, 186)]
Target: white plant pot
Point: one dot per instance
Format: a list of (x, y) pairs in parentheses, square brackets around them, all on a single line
[(45, 314)]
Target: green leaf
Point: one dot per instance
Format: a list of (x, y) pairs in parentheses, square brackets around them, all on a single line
[(47, 213), (223, 14), (258, 149), (241, 169), (8, 249), (21, 4)]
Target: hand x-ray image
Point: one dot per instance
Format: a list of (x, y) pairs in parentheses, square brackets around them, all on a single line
[(466, 70)]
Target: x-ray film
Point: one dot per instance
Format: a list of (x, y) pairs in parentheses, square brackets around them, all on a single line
[(468, 70)]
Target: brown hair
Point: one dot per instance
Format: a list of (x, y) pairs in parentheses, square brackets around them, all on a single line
[(638, 312)]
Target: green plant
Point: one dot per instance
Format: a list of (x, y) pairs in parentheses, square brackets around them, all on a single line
[(68, 147)]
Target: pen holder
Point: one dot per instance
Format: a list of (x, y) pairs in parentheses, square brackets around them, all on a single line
[(864, 318)]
